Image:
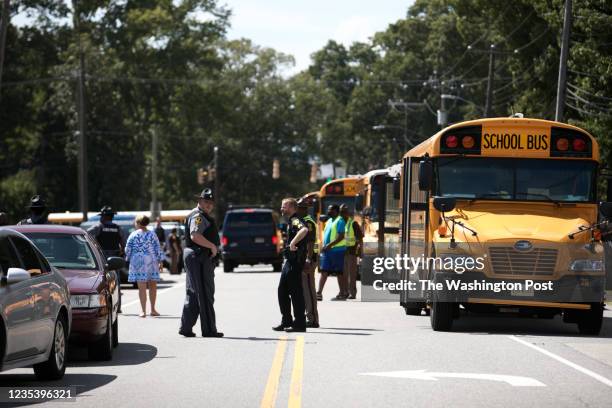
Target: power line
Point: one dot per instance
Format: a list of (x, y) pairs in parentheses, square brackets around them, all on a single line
[(587, 92)]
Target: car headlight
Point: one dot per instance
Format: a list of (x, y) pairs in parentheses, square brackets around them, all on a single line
[(85, 301), (586, 265)]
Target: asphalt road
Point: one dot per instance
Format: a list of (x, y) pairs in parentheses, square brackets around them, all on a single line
[(364, 355)]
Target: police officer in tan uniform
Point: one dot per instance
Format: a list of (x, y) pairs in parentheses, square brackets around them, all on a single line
[(202, 242), (308, 275)]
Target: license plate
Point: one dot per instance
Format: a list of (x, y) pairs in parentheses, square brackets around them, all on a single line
[(260, 240), (523, 293)]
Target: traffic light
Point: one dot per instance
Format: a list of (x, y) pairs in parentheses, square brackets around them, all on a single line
[(202, 175), (276, 169), (314, 168)]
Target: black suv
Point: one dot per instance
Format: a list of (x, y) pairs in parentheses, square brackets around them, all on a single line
[(250, 236)]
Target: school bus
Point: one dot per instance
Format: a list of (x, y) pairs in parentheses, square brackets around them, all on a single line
[(380, 214), (340, 191), (313, 199), (520, 195)]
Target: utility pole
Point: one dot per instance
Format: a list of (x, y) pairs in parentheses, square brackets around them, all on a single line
[(562, 83), (154, 203), (6, 15), (216, 180), (82, 137), (489, 100)]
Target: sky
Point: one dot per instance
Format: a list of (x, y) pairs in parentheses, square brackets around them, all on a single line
[(301, 27)]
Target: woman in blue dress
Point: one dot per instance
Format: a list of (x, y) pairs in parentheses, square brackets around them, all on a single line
[(144, 254)]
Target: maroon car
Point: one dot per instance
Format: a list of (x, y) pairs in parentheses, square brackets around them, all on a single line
[(92, 281)]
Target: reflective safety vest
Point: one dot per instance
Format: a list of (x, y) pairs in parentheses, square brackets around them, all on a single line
[(309, 219), (349, 233), (334, 234)]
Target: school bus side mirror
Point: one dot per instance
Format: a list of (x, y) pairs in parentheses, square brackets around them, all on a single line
[(444, 204), (425, 175), (359, 203), (605, 209), (396, 188)]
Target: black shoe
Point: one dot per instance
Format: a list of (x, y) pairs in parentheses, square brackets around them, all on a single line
[(216, 334), (295, 330), (281, 327), (186, 334), (312, 325)]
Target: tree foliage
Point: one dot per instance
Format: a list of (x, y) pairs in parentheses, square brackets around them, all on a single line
[(167, 67)]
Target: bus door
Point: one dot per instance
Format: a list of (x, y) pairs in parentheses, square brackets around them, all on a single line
[(415, 219), (389, 221)]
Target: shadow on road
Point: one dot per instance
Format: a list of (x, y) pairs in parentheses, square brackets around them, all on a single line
[(124, 354), (349, 328), (82, 382), (255, 338), (496, 324)]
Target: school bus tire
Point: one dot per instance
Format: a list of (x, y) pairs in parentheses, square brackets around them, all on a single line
[(590, 321), (441, 315), (414, 309)]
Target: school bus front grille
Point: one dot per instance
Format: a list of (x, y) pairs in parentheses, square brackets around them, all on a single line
[(508, 261)]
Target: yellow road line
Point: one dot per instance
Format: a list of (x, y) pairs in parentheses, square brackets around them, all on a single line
[(295, 392), (269, 397)]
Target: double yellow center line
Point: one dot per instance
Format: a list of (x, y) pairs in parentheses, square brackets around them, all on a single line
[(295, 392)]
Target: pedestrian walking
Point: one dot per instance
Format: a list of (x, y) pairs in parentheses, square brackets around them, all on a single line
[(38, 212), (110, 237), (201, 247), (290, 290), (144, 254), (310, 266), (332, 252), (160, 233), (354, 242), (174, 246)]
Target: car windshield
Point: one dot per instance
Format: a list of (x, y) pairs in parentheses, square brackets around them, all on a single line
[(516, 179), (65, 251), (261, 222)]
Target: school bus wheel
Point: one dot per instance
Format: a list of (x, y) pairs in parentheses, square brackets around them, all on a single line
[(590, 321), (442, 314)]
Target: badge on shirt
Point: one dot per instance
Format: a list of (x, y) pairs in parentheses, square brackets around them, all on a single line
[(198, 220), (296, 223)]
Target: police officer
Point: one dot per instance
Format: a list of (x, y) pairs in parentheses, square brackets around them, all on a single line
[(308, 275), (290, 285), (109, 236), (38, 212), (202, 242)]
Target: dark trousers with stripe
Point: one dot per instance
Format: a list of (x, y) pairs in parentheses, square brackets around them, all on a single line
[(200, 295), (290, 293)]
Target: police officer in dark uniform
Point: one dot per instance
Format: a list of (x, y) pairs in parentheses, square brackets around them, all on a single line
[(109, 236), (38, 212), (201, 247), (290, 284)]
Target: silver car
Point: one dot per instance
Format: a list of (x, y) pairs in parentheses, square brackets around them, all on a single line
[(35, 314)]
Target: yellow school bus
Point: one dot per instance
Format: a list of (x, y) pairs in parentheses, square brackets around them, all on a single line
[(340, 191), (518, 197), (380, 214), (313, 199)]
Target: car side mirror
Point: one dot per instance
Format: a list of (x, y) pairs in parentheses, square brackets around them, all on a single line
[(115, 263), (425, 175), (323, 217), (605, 209), (444, 204), (16, 275)]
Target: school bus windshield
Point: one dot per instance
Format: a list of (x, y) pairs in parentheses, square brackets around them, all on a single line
[(516, 179)]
